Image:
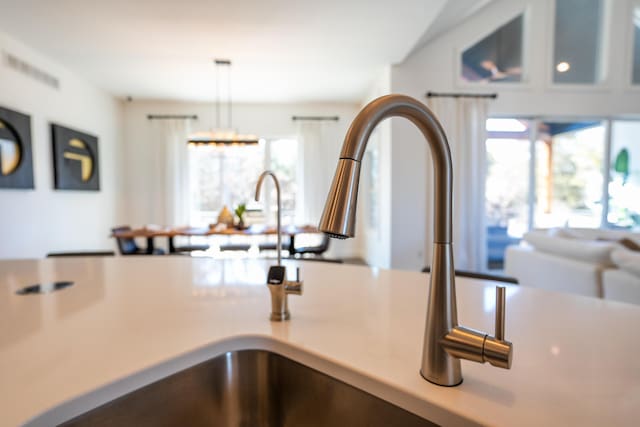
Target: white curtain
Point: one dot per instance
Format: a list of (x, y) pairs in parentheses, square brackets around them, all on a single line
[(464, 121), (319, 146), (168, 181)]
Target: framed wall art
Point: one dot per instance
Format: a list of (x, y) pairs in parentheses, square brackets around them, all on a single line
[(75, 159), (16, 158)]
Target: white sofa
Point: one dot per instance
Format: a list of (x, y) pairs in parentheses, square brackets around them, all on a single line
[(623, 283), (578, 261), (620, 285)]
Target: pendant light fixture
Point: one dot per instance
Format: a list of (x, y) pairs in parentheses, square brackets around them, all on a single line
[(228, 135)]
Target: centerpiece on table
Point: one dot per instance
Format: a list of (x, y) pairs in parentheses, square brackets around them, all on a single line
[(240, 210)]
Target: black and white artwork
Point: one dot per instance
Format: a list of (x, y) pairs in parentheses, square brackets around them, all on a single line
[(75, 159)]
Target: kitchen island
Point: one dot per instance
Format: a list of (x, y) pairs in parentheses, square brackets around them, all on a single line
[(127, 322)]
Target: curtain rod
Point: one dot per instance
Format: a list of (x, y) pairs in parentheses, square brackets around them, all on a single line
[(461, 95), (316, 118), (172, 117)]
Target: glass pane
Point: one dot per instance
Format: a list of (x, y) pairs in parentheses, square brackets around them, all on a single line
[(497, 57), (284, 157), (624, 184), (507, 185), (569, 165), (577, 50), (636, 45), (222, 176)]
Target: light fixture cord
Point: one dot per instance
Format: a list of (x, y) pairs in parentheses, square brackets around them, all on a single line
[(217, 95), (229, 91)]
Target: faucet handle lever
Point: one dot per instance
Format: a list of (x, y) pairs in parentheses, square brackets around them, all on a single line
[(294, 287), (496, 350), (500, 312)]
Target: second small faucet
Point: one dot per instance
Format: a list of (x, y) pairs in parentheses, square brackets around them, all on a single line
[(277, 282)]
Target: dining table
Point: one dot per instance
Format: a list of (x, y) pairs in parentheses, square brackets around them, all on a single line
[(150, 232)]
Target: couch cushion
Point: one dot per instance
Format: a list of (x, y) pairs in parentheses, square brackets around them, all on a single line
[(612, 235), (594, 252), (626, 260)]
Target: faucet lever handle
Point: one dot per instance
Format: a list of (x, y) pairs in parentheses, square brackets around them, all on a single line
[(294, 287), (500, 312)]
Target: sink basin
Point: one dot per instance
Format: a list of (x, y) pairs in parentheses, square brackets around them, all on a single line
[(248, 388)]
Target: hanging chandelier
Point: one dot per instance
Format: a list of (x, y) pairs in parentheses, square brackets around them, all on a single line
[(228, 135)]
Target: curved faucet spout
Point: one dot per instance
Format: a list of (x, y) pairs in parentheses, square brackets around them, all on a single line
[(258, 186), (445, 343), (338, 218)]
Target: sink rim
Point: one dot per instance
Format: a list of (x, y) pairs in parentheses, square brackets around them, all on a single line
[(400, 397)]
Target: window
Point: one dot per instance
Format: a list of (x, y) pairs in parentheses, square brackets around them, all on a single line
[(552, 173), (636, 45), (624, 175), (569, 174), (282, 159), (507, 185), (227, 175), (497, 57), (578, 41), (508, 164)]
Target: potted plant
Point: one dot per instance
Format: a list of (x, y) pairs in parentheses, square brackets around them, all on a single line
[(240, 210)]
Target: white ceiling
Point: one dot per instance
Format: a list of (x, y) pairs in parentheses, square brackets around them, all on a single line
[(282, 50)]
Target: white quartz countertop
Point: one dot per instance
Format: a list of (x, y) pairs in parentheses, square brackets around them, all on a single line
[(129, 321)]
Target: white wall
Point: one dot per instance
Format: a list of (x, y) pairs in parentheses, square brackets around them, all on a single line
[(434, 67), (34, 222), (265, 120)]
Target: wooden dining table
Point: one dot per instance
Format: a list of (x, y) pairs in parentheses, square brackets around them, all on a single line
[(151, 232)]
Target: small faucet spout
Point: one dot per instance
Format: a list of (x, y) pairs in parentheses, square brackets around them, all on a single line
[(279, 286), (263, 175), (445, 342)]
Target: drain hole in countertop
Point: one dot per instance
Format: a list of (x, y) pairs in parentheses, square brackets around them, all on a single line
[(43, 288)]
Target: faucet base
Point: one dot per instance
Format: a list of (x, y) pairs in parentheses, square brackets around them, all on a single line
[(438, 366), (279, 317), (441, 385)]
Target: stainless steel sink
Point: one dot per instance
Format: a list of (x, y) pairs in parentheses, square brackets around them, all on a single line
[(248, 388)]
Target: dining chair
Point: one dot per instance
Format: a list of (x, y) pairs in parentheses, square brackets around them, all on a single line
[(128, 245), (181, 249), (315, 250), (271, 246), (235, 247)]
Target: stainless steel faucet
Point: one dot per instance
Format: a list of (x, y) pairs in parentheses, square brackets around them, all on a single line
[(277, 282), (445, 342)]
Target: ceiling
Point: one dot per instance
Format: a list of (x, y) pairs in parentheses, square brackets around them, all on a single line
[(282, 50)]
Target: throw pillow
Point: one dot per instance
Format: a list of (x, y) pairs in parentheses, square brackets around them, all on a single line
[(629, 244)]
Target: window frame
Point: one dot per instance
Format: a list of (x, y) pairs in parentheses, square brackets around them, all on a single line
[(630, 38), (605, 83), (605, 213), (606, 162), (266, 199), (525, 82)]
